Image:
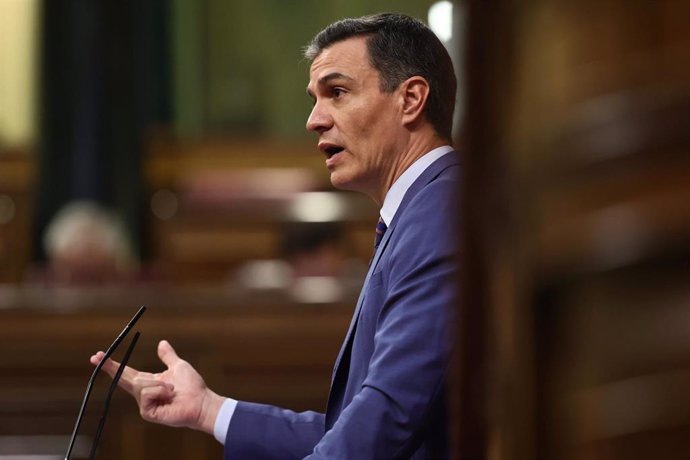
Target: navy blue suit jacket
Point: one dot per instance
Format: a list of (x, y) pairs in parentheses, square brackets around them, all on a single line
[(387, 398)]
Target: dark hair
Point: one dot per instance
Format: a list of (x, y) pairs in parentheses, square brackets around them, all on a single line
[(400, 47)]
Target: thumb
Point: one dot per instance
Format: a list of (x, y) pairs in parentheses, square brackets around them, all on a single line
[(167, 354)]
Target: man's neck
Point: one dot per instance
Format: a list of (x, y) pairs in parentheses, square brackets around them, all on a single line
[(415, 150)]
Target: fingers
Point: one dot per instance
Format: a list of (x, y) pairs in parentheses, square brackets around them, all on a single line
[(149, 385), (111, 366), (95, 359), (167, 354), (152, 396), (129, 381)]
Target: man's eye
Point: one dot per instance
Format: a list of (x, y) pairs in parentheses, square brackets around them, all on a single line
[(337, 92)]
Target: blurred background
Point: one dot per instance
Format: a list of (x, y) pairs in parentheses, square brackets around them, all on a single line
[(154, 152)]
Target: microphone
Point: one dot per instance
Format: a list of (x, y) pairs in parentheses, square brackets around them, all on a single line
[(109, 397), (89, 387)]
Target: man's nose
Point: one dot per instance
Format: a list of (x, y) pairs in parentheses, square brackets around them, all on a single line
[(319, 119)]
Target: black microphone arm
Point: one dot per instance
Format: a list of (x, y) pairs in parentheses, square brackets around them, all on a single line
[(89, 387), (109, 397)]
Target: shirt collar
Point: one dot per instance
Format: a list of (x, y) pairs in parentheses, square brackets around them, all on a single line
[(397, 191)]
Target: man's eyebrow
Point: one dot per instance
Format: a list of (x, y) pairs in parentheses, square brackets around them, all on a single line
[(333, 76)]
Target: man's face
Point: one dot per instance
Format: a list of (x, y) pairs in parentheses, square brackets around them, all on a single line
[(359, 126)]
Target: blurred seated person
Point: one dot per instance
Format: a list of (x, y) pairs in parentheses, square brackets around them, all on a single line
[(86, 244), (314, 265), (314, 248)]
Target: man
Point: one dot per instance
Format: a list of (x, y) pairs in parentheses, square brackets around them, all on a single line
[(383, 91)]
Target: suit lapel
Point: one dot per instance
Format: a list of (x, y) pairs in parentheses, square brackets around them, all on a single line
[(360, 300), (427, 176)]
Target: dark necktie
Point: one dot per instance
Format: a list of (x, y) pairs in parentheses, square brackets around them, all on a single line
[(380, 230)]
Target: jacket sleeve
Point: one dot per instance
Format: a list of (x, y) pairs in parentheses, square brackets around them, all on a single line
[(264, 432), (405, 382)]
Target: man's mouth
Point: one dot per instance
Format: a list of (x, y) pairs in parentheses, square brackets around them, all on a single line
[(331, 149)]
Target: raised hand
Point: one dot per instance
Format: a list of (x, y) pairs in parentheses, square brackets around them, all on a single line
[(176, 397)]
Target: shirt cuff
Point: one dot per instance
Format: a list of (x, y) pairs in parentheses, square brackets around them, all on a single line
[(220, 429)]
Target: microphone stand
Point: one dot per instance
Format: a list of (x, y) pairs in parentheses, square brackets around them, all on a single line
[(109, 397), (89, 387)]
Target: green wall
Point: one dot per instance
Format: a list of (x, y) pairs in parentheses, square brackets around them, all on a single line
[(238, 64)]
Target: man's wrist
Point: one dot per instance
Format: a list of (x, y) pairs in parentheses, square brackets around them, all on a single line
[(209, 412)]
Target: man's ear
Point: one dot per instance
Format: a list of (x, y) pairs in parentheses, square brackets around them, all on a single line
[(414, 92)]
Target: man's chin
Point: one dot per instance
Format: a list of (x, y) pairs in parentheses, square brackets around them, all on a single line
[(340, 182)]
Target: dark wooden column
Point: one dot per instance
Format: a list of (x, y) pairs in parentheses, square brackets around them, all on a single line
[(575, 312)]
